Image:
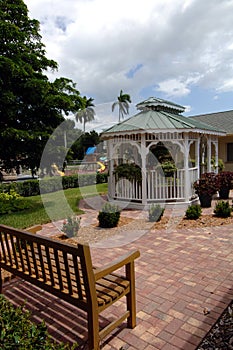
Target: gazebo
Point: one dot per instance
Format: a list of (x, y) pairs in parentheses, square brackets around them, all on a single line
[(156, 155)]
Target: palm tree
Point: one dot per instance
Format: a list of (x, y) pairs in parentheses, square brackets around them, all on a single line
[(123, 104), (86, 113)]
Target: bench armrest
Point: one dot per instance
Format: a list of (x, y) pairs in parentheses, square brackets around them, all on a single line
[(34, 229), (116, 264)]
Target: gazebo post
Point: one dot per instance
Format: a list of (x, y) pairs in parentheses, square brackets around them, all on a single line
[(186, 168), (197, 156), (209, 154), (143, 157), (111, 182), (216, 156)]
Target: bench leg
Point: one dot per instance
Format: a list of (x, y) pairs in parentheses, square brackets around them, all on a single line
[(93, 331), (130, 298)]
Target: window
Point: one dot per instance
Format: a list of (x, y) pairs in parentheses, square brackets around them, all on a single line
[(230, 152)]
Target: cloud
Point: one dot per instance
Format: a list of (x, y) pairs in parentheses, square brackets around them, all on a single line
[(169, 45)]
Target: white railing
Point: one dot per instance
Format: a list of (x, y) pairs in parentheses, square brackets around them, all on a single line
[(164, 188), (130, 190), (159, 187)]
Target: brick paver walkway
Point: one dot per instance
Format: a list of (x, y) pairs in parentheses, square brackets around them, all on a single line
[(179, 275)]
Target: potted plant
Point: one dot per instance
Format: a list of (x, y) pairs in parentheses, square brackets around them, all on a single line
[(206, 187), (130, 171), (169, 168), (225, 179), (71, 226)]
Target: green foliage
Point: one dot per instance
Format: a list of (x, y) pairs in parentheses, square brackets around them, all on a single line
[(86, 113), (155, 212), (86, 140), (35, 187), (222, 209), (169, 168), (193, 212), (18, 332), (220, 164), (11, 201), (37, 214), (101, 178), (109, 216), (71, 226), (31, 106), (129, 171), (122, 102)]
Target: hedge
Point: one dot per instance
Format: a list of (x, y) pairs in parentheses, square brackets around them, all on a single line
[(35, 187), (18, 332)]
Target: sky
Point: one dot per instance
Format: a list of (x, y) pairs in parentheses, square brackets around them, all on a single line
[(178, 50)]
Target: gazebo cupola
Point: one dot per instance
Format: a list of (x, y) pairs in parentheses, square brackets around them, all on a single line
[(155, 155)]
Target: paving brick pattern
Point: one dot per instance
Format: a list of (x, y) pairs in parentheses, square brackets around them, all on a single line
[(179, 275)]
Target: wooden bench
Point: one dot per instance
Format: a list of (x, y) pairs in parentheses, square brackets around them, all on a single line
[(66, 270)]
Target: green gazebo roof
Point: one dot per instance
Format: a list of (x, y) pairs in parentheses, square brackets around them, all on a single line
[(160, 115)]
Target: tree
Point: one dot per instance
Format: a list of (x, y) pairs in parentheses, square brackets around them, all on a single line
[(123, 104), (83, 143), (31, 106), (86, 113)]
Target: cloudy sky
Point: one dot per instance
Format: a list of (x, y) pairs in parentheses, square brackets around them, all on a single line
[(180, 50)]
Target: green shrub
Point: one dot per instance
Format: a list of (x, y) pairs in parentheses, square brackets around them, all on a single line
[(18, 332), (12, 201), (101, 178), (222, 209), (30, 188), (193, 212), (155, 212), (109, 216)]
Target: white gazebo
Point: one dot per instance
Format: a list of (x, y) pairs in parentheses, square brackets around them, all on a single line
[(151, 141)]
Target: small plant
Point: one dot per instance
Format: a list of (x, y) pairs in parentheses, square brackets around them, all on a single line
[(109, 216), (18, 332), (223, 209), (193, 212), (155, 213), (71, 226)]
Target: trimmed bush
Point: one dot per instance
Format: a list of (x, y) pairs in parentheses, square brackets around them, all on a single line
[(155, 212), (18, 332), (12, 201), (109, 216), (30, 188), (193, 212), (223, 209), (101, 178)]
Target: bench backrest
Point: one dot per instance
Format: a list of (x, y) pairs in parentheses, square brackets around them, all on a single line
[(61, 268)]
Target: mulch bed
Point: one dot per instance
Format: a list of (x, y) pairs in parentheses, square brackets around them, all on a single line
[(221, 334)]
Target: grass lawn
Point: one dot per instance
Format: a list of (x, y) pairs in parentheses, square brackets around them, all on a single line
[(52, 206)]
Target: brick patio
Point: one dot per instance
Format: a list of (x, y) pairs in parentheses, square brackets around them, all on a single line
[(178, 275)]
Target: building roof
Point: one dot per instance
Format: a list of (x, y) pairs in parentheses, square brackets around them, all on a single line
[(220, 120), (157, 121)]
